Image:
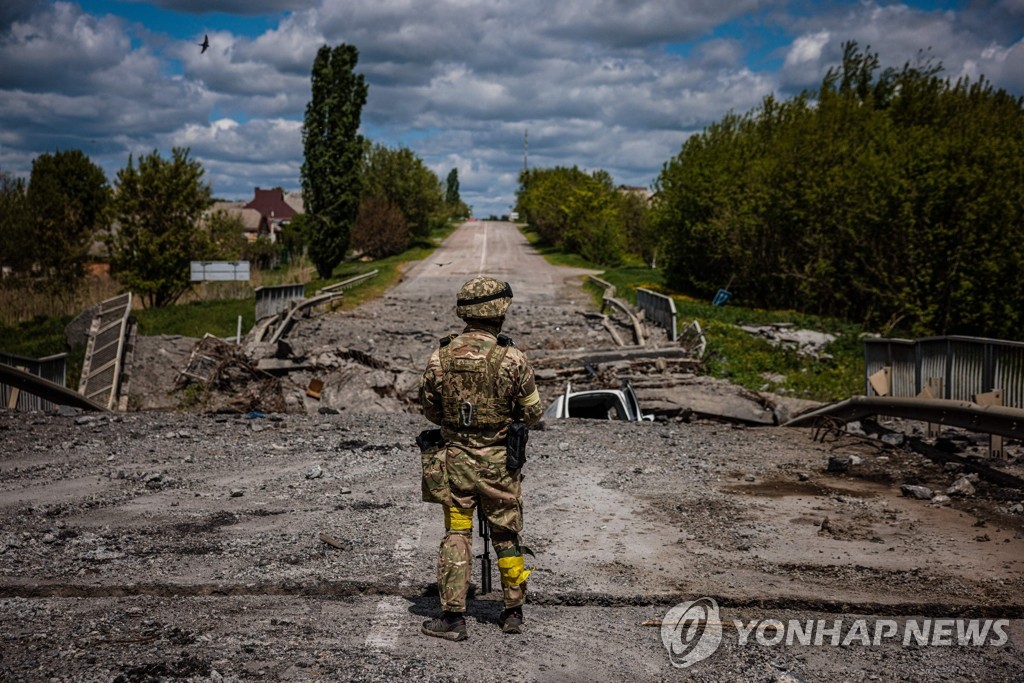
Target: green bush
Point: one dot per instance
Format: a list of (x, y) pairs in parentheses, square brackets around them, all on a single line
[(889, 199)]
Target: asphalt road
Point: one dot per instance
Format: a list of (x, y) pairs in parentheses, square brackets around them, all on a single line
[(490, 248)]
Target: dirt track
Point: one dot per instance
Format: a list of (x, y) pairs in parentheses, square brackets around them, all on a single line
[(162, 546)]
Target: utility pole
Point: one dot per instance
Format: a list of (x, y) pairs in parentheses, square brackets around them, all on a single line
[(526, 147)]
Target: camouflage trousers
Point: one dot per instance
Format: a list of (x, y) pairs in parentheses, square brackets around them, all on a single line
[(478, 475)]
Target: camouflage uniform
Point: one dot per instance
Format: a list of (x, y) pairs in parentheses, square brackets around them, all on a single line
[(474, 386)]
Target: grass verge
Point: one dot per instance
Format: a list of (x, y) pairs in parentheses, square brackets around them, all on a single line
[(736, 355)]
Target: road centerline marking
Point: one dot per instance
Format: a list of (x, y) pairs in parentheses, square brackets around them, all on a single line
[(390, 614)]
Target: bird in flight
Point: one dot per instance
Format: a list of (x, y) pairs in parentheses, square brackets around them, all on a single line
[(205, 44)]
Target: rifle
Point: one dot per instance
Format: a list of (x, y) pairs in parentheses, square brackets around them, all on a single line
[(515, 458), (485, 556)]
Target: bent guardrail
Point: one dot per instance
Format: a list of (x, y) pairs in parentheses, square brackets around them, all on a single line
[(952, 367)]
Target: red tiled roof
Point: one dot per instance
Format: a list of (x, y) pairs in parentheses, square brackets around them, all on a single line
[(271, 204)]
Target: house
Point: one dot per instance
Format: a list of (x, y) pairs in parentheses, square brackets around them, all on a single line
[(637, 190), (294, 200), (266, 214), (275, 209), (252, 222)]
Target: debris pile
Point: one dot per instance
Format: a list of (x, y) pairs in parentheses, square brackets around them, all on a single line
[(286, 377), (221, 377), (804, 342)]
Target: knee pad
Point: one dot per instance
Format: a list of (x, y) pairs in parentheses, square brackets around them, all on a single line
[(458, 520)]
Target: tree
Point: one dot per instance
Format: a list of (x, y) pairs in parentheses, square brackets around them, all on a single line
[(451, 194), (456, 207), (15, 229), (224, 237), (262, 254), (158, 208), (641, 237), (295, 236), (575, 211), (67, 200), (401, 179), (380, 229), (333, 151), (882, 198)]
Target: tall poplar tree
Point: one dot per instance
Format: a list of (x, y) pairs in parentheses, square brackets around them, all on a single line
[(451, 195), (333, 150)]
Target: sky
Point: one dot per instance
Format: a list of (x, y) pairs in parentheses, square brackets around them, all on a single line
[(482, 86)]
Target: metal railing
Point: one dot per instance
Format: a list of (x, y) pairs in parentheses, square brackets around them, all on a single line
[(104, 354), (51, 368), (351, 282), (960, 368), (608, 299), (659, 308), (276, 298)]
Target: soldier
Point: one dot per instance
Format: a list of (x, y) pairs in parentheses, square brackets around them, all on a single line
[(475, 386)]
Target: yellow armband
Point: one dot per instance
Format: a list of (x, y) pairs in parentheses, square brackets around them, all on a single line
[(458, 519)]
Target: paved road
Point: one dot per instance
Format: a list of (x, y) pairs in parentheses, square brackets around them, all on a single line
[(490, 248)]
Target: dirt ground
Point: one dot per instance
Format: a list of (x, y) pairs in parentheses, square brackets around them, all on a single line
[(208, 545)]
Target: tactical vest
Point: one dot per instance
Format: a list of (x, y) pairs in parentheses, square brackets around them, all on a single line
[(470, 396)]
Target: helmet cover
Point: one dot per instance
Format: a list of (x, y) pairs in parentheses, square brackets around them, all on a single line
[(483, 297)]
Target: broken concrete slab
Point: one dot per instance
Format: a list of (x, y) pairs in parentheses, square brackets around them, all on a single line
[(696, 400), (805, 342)]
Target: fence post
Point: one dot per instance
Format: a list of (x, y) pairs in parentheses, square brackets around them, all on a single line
[(933, 389), (995, 441)]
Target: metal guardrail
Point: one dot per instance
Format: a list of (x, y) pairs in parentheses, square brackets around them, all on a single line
[(27, 383), (104, 355), (659, 308), (351, 282), (609, 288), (608, 299), (53, 369), (960, 368), (299, 308), (1001, 420), (290, 302), (276, 298)]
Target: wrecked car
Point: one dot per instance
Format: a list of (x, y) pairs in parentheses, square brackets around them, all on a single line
[(598, 404)]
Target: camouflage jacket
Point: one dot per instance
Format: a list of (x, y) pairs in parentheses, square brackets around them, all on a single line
[(495, 395)]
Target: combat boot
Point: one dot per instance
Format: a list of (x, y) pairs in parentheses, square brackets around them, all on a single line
[(511, 620), (450, 626)]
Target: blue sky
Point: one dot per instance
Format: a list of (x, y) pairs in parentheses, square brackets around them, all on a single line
[(602, 84)]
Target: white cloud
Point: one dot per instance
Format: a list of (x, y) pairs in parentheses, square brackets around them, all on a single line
[(613, 84), (60, 48), (807, 49), (263, 140), (1001, 65)]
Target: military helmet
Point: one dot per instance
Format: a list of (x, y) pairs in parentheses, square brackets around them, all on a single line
[(483, 297)]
